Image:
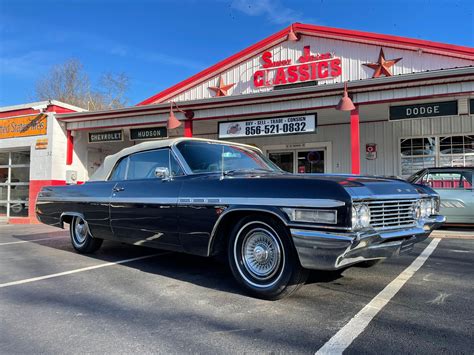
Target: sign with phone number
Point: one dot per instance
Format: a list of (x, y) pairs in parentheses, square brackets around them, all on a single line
[(268, 126)]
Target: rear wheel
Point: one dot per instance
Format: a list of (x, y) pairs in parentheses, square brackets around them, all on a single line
[(263, 259), (81, 238)]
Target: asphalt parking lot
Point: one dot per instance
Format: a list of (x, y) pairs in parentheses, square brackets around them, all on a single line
[(53, 300)]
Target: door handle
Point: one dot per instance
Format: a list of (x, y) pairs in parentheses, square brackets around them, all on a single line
[(118, 189)]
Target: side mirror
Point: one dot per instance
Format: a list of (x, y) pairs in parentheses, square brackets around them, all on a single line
[(162, 173)]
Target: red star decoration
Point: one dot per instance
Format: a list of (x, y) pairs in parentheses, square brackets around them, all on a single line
[(222, 88), (382, 66)]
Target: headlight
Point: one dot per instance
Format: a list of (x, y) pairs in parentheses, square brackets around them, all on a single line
[(360, 216), (417, 210), (311, 215), (425, 208)]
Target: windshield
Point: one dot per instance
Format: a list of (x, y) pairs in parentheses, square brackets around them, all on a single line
[(413, 178), (207, 157)]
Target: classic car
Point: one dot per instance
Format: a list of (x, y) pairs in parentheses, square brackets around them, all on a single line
[(454, 186), (210, 198)]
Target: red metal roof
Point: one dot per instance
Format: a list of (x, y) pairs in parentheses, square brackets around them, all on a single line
[(443, 49)]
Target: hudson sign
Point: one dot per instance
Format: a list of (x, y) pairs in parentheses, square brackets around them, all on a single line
[(309, 67)]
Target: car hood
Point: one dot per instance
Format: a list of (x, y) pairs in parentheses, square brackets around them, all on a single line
[(359, 187)]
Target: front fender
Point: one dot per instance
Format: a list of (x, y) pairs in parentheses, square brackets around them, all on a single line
[(233, 214)]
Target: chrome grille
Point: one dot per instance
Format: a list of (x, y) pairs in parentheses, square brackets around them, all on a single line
[(392, 214)]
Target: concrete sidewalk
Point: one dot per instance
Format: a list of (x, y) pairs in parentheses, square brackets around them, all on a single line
[(451, 232)]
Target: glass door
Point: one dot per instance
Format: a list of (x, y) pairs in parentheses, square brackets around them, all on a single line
[(14, 183), (308, 161), (311, 161), (284, 160)]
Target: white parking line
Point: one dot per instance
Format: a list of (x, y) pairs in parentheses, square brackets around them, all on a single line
[(75, 271), (347, 334), (33, 240)]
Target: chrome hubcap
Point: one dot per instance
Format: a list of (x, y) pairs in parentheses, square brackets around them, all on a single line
[(80, 231), (261, 254)]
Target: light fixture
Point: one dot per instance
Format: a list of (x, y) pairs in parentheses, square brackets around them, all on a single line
[(345, 104), (173, 122), (292, 36)]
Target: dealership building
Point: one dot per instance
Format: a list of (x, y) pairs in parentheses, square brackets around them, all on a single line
[(410, 105)]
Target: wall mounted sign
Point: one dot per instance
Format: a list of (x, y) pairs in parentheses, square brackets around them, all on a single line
[(34, 125), (109, 136), (148, 133), (268, 126), (309, 67), (432, 109), (41, 143), (371, 151), (471, 106)]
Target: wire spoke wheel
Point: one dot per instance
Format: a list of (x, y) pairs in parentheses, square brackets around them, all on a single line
[(263, 259), (261, 254)]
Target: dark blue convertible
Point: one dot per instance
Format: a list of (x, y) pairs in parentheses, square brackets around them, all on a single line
[(209, 197)]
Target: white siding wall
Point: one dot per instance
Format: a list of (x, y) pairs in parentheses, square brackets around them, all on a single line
[(353, 55), (385, 134)]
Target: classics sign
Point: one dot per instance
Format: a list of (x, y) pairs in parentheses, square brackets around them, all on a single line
[(268, 126), (310, 67), (432, 109)]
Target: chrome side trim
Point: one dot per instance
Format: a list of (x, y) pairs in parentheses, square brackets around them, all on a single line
[(262, 201), (115, 199), (211, 201)]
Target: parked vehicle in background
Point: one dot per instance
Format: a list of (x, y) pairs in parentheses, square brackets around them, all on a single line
[(454, 186), (208, 197)]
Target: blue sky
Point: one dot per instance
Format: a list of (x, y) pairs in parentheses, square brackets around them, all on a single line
[(159, 43)]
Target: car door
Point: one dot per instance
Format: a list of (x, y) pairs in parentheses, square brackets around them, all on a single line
[(143, 206), (95, 209), (455, 192)]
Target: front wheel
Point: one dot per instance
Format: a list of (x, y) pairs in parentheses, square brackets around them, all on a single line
[(263, 259), (81, 238)]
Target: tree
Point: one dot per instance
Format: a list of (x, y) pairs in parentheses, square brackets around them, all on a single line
[(68, 82)]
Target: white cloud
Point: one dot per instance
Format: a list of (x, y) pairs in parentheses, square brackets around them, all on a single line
[(274, 11)]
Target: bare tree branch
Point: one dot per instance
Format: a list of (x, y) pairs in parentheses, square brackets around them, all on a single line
[(68, 82)]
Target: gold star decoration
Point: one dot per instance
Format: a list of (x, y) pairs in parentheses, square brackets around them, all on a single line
[(382, 66), (222, 88)]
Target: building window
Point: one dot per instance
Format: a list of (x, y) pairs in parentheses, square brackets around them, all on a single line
[(14, 183), (425, 152), (417, 153), (456, 151)]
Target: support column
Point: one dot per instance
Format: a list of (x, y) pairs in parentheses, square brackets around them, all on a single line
[(355, 141), (69, 148), (188, 128)]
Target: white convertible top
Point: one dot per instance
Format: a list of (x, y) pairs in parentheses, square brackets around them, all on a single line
[(104, 170)]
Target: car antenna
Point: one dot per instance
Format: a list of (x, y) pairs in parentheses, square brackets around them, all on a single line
[(222, 162), (169, 164)]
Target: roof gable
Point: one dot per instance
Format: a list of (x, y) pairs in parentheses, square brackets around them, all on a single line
[(436, 56)]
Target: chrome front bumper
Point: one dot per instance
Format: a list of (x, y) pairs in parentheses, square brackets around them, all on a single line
[(322, 250)]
